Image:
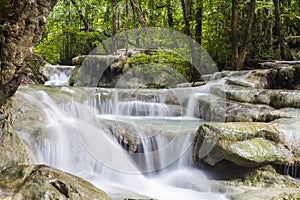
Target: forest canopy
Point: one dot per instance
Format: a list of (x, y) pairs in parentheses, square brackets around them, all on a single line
[(233, 32)]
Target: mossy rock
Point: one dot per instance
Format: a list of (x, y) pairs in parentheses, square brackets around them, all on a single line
[(248, 144), (160, 67), (261, 183), (34, 71), (12, 149), (45, 183)]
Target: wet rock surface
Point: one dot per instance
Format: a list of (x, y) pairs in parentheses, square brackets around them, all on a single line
[(283, 76), (34, 71), (254, 135), (252, 96), (12, 148), (249, 144), (138, 68), (261, 183), (214, 108), (42, 182)]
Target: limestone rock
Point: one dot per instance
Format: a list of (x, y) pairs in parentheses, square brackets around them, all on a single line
[(248, 144), (275, 98), (34, 70), (139, 68), (261, 183), (281, 77), (41, 182), (214, 108), (93, 68), (12, 149)]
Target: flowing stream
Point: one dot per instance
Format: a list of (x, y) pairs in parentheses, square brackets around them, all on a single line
[(129, 143)]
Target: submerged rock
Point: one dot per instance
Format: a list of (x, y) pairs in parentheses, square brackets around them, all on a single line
[(45, 183)]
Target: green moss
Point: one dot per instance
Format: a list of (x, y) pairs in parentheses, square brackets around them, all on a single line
[(264, 177), (257, 150), (288, 196), (161, 62)]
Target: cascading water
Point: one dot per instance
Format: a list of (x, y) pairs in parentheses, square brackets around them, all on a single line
[(80, 141), (58, 75)]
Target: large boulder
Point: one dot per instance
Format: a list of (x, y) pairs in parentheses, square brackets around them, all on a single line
[(275, 98), (262, 183), (283, 76), (214, 108), (139, 68), (41, 182), (34, 71), (294, 44), (248, 144), (92, 69), (12, 149)]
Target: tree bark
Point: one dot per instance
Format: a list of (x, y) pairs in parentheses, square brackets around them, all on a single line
[(285, 53), (238, 56), (22, 22), (186, 11), (170, 14), (139, 13), (246, 36), (199, 16), (234, 36), (114, 25), (269, 26), (126, 26), (81, 16)]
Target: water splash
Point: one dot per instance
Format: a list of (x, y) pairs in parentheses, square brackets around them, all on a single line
[(79, 142)]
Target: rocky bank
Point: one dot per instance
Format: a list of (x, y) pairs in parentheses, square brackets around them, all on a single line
[(253, 138)]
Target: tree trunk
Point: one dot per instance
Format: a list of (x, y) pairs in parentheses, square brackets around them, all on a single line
[(199, 15), (285, 53), (234, 29), (186, 11), (81, 16), (170, 14), (238, 56), (269, 26), (246, 36), (114, 25), (126, 26), (187, 16), (139, 13), (22, 22)]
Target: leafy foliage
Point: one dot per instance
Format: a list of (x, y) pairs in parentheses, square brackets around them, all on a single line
[(75, 27)]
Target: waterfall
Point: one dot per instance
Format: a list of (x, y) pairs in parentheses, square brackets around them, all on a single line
[(80, 140), (57, 75)]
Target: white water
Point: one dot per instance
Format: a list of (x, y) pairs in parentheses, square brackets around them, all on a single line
[(57, 75), (80, 143)]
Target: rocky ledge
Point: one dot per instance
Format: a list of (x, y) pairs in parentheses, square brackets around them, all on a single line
[(42, 182), (253, 137), (249, 144)]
